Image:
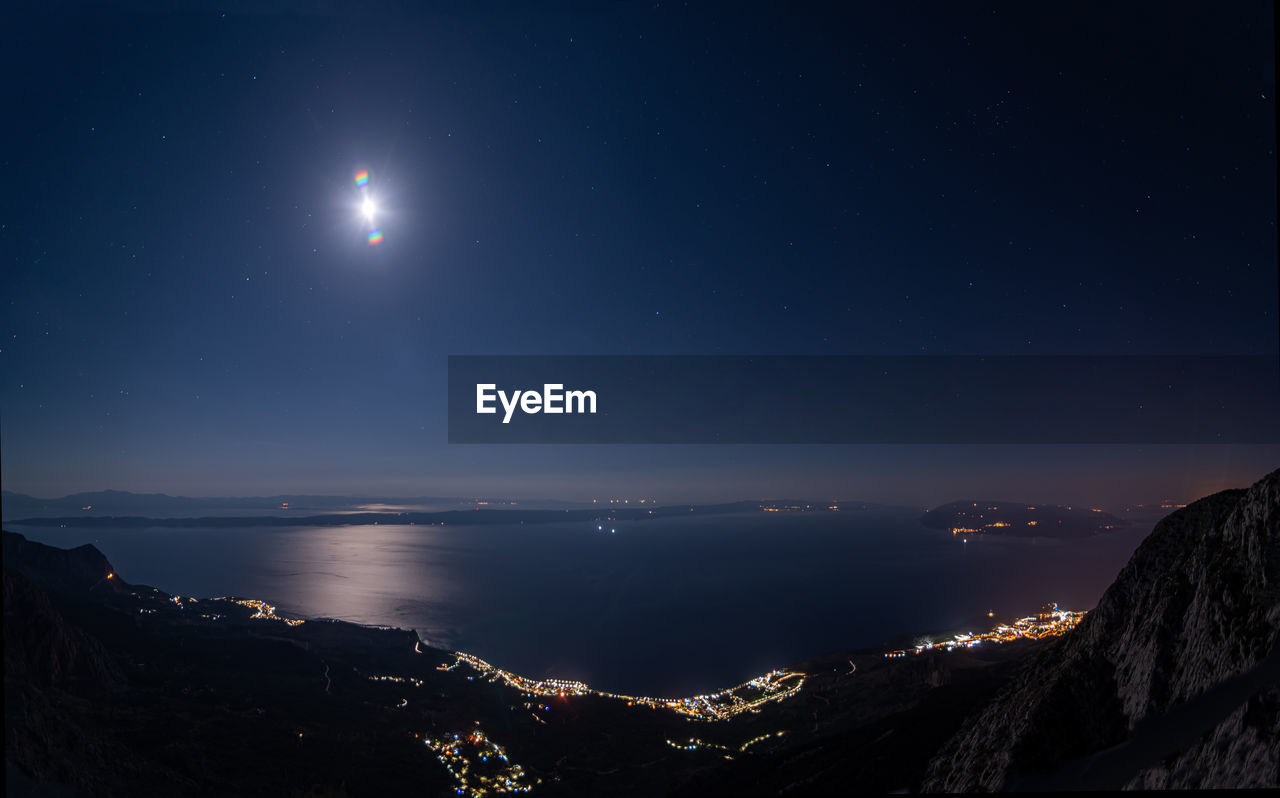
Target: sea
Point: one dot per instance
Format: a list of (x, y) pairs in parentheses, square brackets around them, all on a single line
[(666, 607)]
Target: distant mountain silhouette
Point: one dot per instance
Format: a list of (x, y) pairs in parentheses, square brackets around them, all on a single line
[(97, 504), (119, 502), (475, 515)]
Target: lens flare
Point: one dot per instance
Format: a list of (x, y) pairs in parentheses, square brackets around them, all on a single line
[(368, 207)]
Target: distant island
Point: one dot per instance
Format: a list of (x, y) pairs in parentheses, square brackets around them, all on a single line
[(1020, 520), (479, 512), (966, 517)]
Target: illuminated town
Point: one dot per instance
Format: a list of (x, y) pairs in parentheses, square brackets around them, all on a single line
[(1050, 622), (750, 696), (479, 766), (777, 685), (263, 610)]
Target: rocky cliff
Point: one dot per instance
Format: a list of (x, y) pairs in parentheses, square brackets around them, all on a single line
[(79, 570), (1169, 682)]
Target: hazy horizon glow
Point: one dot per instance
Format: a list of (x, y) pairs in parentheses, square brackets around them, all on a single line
[(1108, 476)]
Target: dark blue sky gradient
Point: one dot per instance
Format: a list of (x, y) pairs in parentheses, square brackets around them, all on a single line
[(190, 305)]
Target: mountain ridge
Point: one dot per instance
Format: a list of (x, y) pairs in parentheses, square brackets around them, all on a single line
[(1198, 604)]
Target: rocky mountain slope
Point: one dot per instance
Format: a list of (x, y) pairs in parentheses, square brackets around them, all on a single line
[(1170, 682)]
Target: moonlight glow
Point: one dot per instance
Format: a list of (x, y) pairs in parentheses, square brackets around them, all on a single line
[(368, 208)]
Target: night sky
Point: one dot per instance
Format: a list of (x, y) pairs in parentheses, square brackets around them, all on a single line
[(191, 305)]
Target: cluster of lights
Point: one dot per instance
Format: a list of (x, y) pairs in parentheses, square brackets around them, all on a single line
[(759, 739), (971, 530), (799, 508), (479, 766), (777, 685), (978, 529), (397, 680), (264, 611), (261, 609), (1052, 622), (696, 744), (544, 687)]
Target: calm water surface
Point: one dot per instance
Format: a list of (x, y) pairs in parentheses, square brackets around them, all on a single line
[(660, 607)]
